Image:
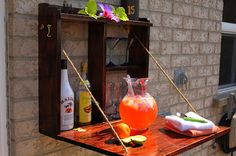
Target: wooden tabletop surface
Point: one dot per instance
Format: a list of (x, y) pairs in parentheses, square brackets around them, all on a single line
[(159, 142)]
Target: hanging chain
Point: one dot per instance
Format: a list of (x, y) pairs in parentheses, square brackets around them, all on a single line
[(166, 75), (95, 101)]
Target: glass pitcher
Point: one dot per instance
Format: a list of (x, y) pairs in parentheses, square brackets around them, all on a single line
[(138, 109)]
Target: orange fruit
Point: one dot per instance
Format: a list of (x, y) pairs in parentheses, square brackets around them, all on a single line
[(122, 130)]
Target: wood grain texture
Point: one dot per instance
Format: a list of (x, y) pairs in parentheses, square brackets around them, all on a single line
[(159, 141), (49, 69)]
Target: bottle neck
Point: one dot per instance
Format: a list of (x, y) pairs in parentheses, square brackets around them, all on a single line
[(84, 75), (64, 76)]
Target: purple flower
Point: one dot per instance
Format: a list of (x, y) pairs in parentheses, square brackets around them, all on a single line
[(107, 12)]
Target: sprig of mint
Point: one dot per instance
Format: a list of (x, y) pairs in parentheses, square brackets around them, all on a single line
[(90, 9), (120, 13)]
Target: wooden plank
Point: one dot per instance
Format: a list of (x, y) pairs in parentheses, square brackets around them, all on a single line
[(159, 141), (49, 69), (81, 18), (96, 65)]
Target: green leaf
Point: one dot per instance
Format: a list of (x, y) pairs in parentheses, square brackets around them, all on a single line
[(90, 9), (94, 16), (83, 12), (120, 13)]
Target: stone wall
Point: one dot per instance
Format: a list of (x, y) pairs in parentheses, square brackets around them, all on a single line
[(186, 34)]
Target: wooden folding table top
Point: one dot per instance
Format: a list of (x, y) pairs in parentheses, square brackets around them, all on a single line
[(159, 141)]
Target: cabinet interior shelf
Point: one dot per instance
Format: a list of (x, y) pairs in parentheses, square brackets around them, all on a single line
[(118, 68)]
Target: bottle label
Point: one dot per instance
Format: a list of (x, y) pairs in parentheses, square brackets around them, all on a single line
[(84, 107), (67, 111)]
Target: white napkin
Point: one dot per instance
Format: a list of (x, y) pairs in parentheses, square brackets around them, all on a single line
[(184, 125)]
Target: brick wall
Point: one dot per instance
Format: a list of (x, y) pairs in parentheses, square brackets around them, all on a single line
[(186, 33)]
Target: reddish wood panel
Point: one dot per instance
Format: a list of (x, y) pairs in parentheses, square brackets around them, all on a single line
[(159, 141)]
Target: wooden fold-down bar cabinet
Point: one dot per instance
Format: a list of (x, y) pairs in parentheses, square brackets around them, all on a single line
[(98, 136)]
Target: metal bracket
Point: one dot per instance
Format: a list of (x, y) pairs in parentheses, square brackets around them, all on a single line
[(180, 78)]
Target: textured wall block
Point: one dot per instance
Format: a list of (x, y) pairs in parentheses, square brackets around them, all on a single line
[(143, 4), (23, 47), (182, 9), (168, 100), (218, 49), (73, 30), (200, 93), (215, 37), (207, 48), (25, 129), (205, 70), (163, 60), (161, 76), (23, 88), (208, 25), (208, 102), (154, 47), (197, 83), (182, 107), (160, 89), (144, 14), (192, 71), (182, 35), (54, 154), (172, 21), (50, 145), (114, 31), (198, 60), (78, 151), (24, 110), (27, 7), (200, 12), (218, 26), (75, 47), (161, 5), (215, 15), (191, 23), (190, 48), (209, 3), (23, 26), (160, 33), (27, 148), (180, 61), (199, 104), (199, 36), (17, 68), (153, 75), (215, 70), (155, 18), (219, 4), (213, 59), (212, 80), (170, 48)]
